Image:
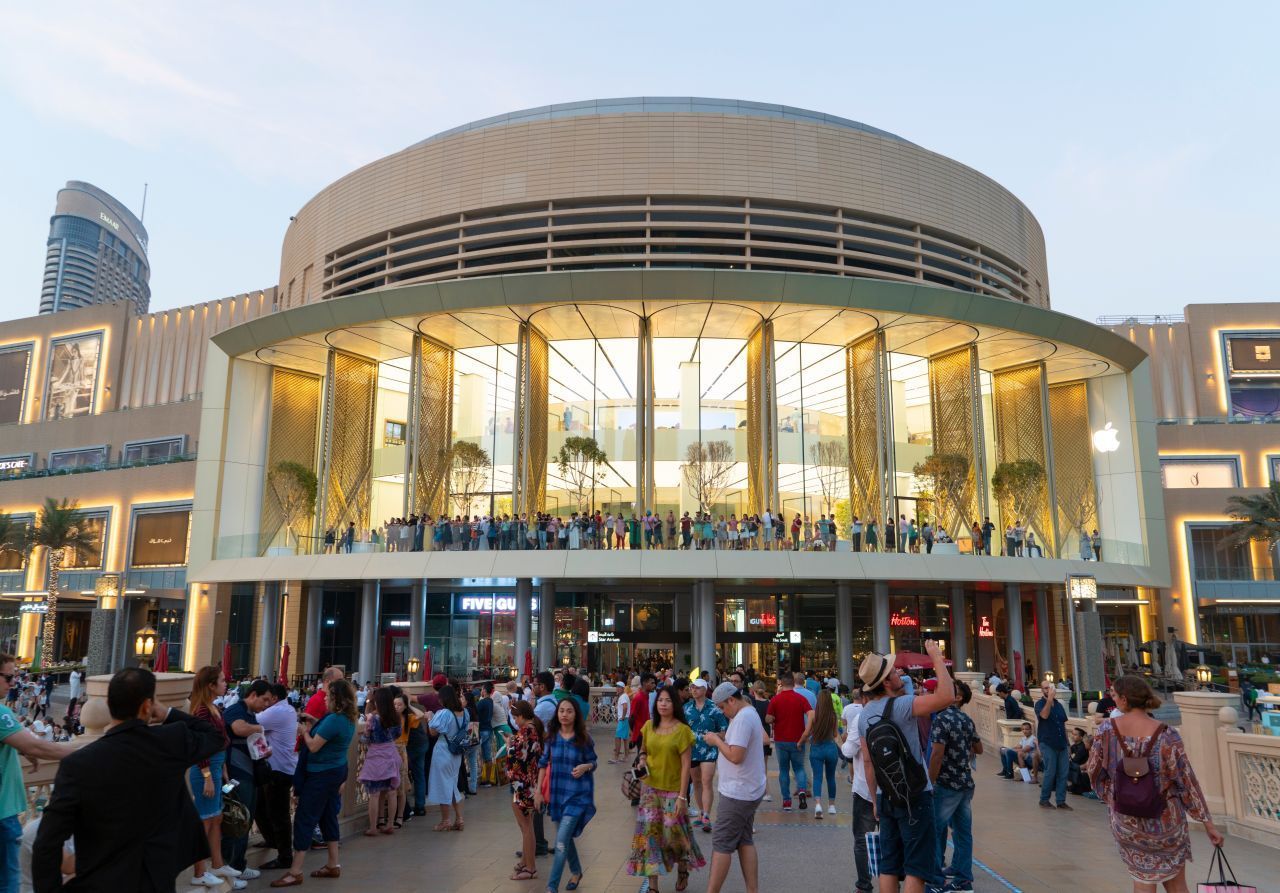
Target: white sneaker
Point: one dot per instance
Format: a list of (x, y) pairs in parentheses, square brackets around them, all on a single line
[(694, 812), (227, 871), (208, 879), (239, 884), (250, 874), (768, 798), (817, 810), (831, 809)]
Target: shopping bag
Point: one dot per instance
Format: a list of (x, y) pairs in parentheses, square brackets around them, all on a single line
[(1226, 882), (1026, 774), (873, 852)]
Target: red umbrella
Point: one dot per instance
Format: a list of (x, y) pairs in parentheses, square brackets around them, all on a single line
[(912, 660), (162, 657), (426, 664), (226, 659), (528, 662), (284, 665)]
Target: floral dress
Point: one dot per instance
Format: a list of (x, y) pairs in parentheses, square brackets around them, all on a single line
[(382, 763), (1153, 850), (662, 840), (524, 750)]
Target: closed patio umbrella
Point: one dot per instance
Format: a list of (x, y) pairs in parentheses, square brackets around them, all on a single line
[(1171, 660), (226, 659), (426, 664), (1133, 659), (528, 663), (284, 665), (162, 657)]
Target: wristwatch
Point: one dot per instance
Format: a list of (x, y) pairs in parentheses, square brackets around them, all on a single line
[(206, 773)]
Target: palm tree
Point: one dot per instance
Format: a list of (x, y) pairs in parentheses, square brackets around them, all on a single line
[(1257, 518), (59, 526)]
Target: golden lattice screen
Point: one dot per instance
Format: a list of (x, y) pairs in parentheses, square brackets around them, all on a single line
[(1073, 481), (862, 362), (350, 407), (294, 429), (953, 406), (1020, 434), (757, 498), (432, 395)]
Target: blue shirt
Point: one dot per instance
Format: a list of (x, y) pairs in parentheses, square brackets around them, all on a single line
[(1052, 732), (569, 795), (545, 709), (709, 719), (808, 696), (337, 732)]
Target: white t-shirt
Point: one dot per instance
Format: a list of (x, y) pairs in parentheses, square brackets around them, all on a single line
[(852, 750), (1027, 742), (501, 705), (745, 780), (25, 852)]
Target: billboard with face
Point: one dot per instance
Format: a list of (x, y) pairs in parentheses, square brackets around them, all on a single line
[(13, 383), (73, 376)]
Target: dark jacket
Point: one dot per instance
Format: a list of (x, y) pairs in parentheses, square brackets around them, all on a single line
[(124, 798)]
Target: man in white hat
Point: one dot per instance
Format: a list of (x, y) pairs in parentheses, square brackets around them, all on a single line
[(742, 782), (893, 758)]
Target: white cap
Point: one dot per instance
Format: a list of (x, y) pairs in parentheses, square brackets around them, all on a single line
[(699, 682)]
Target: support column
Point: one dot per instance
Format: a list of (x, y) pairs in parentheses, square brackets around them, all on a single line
[(546, 625), (524, 620), (844, 632), (681, 621), (269, 631), (762, 421), (705, 606), (529, 473), (959, 629), (1017, 652), (644, 420), (310, 657), (417, 622), (370, 610), (880, 616), (1044, 660)]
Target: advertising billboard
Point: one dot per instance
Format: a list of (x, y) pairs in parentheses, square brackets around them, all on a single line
[(96, 527), (1256, 355), (13, 383), (160, 538), (73, 376)]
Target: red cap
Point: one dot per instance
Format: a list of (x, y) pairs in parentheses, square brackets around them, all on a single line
[(930, 684), (439, 680)]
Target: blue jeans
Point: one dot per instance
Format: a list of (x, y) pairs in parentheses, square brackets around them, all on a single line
[(318, 803), (10, 844), (824, 756), (486, 746), (473, 769), (418, 772), (565, 851), (1055, 773), (790, 757), (953, 809)]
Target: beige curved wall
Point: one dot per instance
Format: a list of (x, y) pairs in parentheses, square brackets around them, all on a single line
[(514, 167)]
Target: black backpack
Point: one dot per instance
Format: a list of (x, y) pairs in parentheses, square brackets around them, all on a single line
[(898, 774)]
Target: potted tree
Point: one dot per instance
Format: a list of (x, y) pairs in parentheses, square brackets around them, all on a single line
[(468, 468), (294, 486), (1019, 488), (706, 471), (946, 476), (578, 460)]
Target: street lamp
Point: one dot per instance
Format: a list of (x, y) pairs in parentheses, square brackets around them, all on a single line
[(1080, 587), (106, 589), (1204, 676), (144, 645), (412, 666), (1048, 677)]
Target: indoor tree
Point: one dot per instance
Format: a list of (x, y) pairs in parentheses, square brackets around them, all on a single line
[(946, 476), (1019, 485), (294, 486), (831, 460), (1257, 519), (59, 526), (578, 460), (706, 470), (468, 468)]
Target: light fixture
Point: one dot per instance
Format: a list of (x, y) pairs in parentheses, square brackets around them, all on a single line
[(107, 591), (968, 663), (1204, 676), (412, 666), (1049, 678), (144, 645)]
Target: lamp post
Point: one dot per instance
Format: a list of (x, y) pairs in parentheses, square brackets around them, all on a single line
[(1079, 587), (144, 645), (412, 667), (1049, 678), (1204, 677)]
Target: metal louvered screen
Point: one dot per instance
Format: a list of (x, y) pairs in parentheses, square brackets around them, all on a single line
[(531, 414), (755, 469), (1074, 487), (349, 417), (432, 395), (862, 374), (1020, 434), (295, 424), (953, 405)]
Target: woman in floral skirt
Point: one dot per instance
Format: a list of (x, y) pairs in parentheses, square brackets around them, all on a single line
[(664, 839), (524, 750), (380, 773), (1155, 851)]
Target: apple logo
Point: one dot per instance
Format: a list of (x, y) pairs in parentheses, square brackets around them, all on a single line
[(1107, 440)]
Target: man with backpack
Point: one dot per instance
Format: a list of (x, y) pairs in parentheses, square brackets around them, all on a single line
[(894, 763)]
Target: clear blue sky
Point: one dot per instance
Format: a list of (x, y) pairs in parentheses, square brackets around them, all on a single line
[(1142, 135)]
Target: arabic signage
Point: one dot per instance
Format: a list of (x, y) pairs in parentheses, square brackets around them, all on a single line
[(13, 383), (792, 637), (595, 637), (160, 538)]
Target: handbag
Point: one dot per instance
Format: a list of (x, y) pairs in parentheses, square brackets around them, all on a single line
[(235, 817), (544, 787), (630, 786), (1137, 791), (1222, 885)]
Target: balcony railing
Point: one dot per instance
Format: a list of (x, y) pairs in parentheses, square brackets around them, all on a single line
[(1238, 574), (89, 469)]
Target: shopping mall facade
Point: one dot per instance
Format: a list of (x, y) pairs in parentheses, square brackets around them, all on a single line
[(831, 303)]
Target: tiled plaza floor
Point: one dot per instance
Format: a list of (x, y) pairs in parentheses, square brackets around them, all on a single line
[(1018, 847)]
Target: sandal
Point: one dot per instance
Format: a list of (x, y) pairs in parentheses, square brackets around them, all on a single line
[(457, 826), (371, 832), (682, 880), (524, 874), (398, 824), (443, 826), (328, 871), (288, 879)]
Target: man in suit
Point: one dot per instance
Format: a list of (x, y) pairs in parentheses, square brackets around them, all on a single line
[(124, 797)]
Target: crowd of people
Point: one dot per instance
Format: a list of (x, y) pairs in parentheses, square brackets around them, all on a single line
[(603, 529)]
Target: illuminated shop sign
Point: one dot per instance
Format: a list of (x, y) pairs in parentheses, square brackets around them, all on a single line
[(788, 638), (765, 619), (595, 637), (487, 604), (19, 463), (903, 618), (984, 628), (1256, 355), (36, 607)]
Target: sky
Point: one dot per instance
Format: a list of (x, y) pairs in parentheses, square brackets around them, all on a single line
[(1143, 135)]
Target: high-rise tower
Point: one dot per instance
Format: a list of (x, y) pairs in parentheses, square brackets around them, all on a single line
[(97, 252)]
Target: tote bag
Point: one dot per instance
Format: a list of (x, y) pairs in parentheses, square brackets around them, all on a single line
[(1223, 884)]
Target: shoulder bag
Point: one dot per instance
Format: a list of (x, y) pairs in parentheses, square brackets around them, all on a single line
[(631, 781)]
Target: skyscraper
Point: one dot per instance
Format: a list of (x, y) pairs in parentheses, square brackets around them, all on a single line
[(97, 252)]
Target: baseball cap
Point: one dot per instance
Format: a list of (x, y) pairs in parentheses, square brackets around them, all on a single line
[(930, 684), (439, 680), (724, 691), (833, 683), (699, 683), (874, 670)]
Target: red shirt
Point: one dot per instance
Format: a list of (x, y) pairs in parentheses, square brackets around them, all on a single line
[(788, 708), (639, 713), (316, 705)]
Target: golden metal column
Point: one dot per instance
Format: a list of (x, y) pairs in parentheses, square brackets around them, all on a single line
[(762, 421), (529, 472), (644, 417), (1018, 399), (430, 426), (870, 427), (346, 474), (293, 437), (955, 392)]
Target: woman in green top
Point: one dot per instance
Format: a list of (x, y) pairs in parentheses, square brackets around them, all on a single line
[(664, 838), (325, 748)]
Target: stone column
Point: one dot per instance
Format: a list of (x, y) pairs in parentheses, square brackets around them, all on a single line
[(681, 622), (417, 622), (1202, 715), (1016, 651), (844, 632), (370, 610), (269, 630), (546, 625), (102, 638), (311, 647), (959, 630), (524, 620), (1044, 660), (880, 616), (707, 626)]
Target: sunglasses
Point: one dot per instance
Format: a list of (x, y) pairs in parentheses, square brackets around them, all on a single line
[(8, 677)]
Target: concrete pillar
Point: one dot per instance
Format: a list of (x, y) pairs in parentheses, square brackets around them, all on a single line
[(1202, 716), (959, 630), (524, 620), (681, 622), (880, 616), (707, 627), (1044, 660), (310, 658), (844, 632), (269, 631), (546, 656), (417, 622), (1017, 652), (370, 610), (695, 626), (102, 638)]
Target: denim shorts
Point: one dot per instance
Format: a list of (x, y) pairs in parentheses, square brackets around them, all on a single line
[(908, 839)]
